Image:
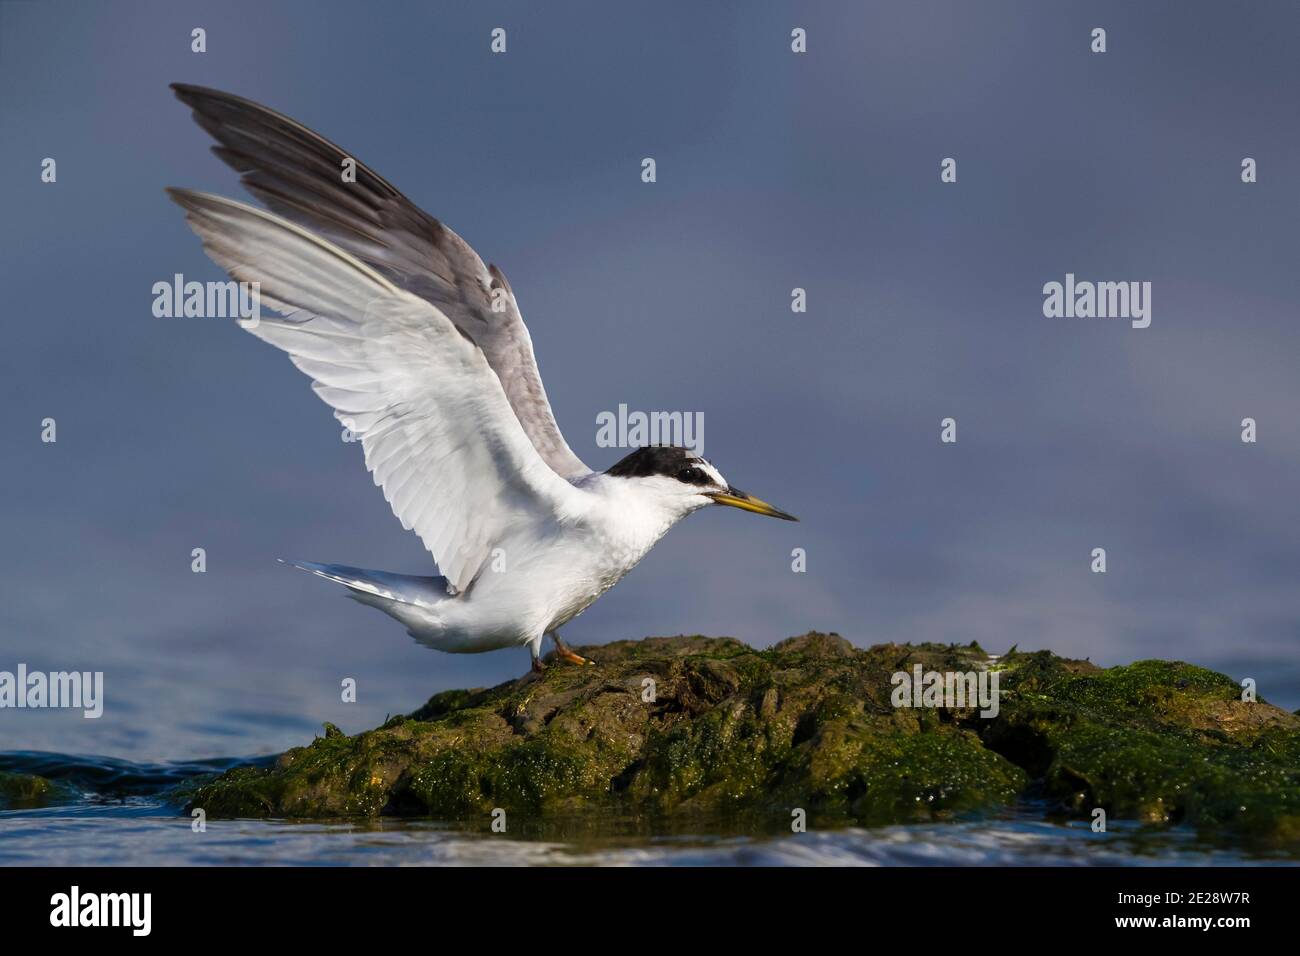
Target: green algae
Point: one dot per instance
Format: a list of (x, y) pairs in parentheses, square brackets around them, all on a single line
[(21, 791), (676, 729)]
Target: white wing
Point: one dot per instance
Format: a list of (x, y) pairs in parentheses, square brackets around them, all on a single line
[(295, 171), (438, 431)]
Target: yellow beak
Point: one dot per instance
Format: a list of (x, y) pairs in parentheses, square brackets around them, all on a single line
[(738, 499)]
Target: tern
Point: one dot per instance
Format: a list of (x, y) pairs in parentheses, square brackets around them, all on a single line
[(420, 349)]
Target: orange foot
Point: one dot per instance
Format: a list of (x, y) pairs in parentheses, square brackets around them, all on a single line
[(563, 652)]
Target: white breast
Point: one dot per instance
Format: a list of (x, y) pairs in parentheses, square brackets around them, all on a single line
[(541, 576)]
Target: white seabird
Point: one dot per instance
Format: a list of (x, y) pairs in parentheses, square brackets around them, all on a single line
[(422, 353)]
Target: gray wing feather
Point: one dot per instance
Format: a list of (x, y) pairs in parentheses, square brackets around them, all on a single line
[(298, 174)]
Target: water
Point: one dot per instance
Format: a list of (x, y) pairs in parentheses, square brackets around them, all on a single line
[(123, 813)]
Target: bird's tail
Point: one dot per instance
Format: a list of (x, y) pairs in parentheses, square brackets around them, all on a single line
[(366, 585)]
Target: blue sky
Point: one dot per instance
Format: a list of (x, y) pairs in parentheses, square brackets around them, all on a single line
[(775, 170)]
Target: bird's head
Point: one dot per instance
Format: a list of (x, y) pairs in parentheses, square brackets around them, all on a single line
[(685, 482)]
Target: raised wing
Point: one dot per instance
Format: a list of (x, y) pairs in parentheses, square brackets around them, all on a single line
[(299, 175), (438, 433)]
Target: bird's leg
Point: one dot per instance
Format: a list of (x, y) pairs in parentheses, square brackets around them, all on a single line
[(562, 651), (535, 649)]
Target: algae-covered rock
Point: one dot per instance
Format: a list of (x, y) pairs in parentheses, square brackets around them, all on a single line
[(674, 727), (24, 790), (1159, 741)]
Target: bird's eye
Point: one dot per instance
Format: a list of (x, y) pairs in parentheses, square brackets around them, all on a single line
[(692, 476)]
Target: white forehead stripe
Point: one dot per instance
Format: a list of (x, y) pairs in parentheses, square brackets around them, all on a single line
[(709, 470)]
